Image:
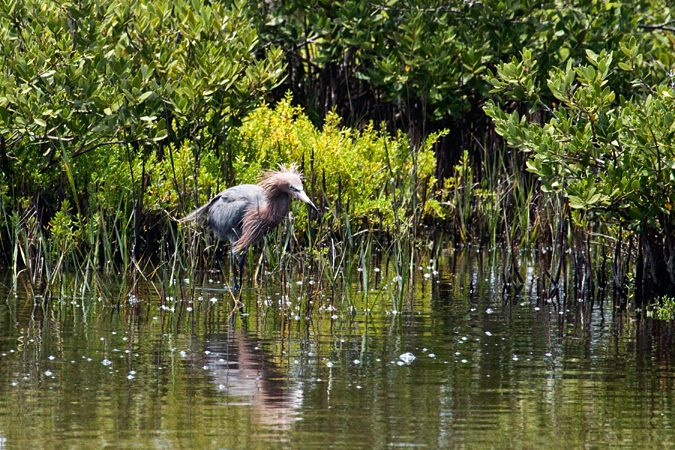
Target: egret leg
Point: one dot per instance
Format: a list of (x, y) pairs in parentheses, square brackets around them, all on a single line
[(238, 263), (242, 258), (233, 267)]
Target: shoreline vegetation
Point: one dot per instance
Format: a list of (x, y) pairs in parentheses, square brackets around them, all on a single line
[(506, 125)]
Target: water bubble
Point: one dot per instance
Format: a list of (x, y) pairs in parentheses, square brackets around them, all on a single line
[(357, 362), (213, 300), (106, 362), (487, 333), (548, 354), (489, 311), (515, 358), (188, 309), (329, 364), (48, 373), (130, 377), (407, 357), (207, 352), (464, 361), (431, 355), (52, 358), (205, 367)]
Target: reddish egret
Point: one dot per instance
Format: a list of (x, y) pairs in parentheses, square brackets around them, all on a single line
[(244, 214)]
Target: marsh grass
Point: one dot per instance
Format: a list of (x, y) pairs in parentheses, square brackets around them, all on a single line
[(300, 296), (389, 203)]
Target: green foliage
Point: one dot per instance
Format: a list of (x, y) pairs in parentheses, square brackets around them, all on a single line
[(120, 76), (64, 231), (612, 160), (426, 60), (609, 155), (460, 189), (662, 309), (95, 99), (362, 171), (129, 109)]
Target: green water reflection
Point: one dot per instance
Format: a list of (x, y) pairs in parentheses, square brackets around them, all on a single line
[(183, 370)]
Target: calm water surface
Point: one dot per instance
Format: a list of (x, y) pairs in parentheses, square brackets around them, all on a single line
[(303, 365)]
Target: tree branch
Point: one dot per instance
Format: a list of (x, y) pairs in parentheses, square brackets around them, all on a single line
[(663, 26), (82, 151)]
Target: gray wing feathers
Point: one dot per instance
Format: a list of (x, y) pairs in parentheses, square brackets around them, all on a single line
[(225, 218), (224, 213), (200, 215)]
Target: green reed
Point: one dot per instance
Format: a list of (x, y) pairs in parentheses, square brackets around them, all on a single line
[(485, 205)]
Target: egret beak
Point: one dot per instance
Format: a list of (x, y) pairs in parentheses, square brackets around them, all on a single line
[(302, 196)]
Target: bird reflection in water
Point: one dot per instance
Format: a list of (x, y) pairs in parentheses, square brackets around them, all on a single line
[(239, 367)]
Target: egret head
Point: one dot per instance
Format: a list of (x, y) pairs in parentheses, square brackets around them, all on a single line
[(285, 180)]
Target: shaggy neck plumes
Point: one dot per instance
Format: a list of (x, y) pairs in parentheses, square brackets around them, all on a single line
[(264, 217)]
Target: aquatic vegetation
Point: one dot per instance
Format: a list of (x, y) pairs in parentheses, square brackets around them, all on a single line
[(141, 111), (608, 162), (299, 353), (663, 308)]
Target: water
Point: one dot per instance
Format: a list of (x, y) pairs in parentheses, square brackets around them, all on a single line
[(452, 366)]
